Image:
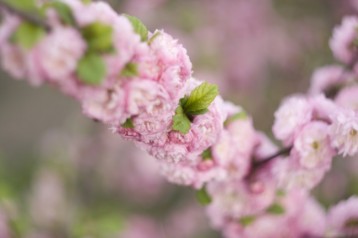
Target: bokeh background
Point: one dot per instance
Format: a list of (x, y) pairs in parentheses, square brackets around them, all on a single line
[(63, 175)]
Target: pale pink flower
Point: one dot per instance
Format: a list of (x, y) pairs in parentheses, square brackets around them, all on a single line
[(323, 108), (290, 176), (8, 25), (265, 147), (342, 41), (95, 11), (144, 96), (312, 220), (178, 173), (348, 98), (327, 77), (313, 146), (344, 132), (207, 127), (175, 67), (106, 106), (343, 218), (292, 115), (243, 135), (58, 58), (13, 60), (172, 153), (127, 45), (234, 199)]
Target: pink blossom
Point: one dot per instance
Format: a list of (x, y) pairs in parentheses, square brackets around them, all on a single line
[(206, 128), (326, 78), (290, 176), (342, 41), (292, 115), (348, 98), (8, 25), (178, 173), (344, 132), (313, 146), (106, 106), (13, 60), (343, 218), (58, 58), (144, 96), (128, 47), (95, 11), (324, 109), (173, 61), (234, 199)]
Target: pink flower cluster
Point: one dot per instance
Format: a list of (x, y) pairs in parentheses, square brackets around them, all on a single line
[(146, 81)]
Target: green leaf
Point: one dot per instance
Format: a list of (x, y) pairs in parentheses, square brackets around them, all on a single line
[(247, 220), (200, 99), (24, 5), (64, 12), (130, 70), (238, 116), (203, 197), (280, 193), (128, 124), (138, 27), (91, 69), (181, 122), (275, 209), (99, 37), (207, 155), (27, 35)]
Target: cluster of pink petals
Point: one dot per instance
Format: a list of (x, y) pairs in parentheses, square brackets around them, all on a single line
[(221, 151), (344, 39), (342, 219)]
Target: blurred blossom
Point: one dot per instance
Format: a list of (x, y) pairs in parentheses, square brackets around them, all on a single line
[(48, 202)]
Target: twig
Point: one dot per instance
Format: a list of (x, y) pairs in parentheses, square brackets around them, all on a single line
[(262, 162), (24, 15)]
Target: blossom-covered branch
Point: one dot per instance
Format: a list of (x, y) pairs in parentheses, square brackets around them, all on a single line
[(140, 84)]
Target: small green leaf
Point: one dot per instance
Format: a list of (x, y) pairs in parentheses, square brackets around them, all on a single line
[(280, 193), (91, 69), (64, 12), (238, 116), (247, 220), (138, 27), (199, 112), (99, 37), (203, 197), (200, 98), (27, 35), (24, 5), (128, 124), (207, 155), (275, 209), (130, 70), (181, 122), (86, 1)]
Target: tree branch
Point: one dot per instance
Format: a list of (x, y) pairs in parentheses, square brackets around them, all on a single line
[(24, 15), (262, 162)]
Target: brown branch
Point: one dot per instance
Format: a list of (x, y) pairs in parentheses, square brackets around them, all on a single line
[(262, 162), (24, 15)]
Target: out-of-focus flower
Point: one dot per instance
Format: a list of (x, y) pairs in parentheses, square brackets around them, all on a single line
[(343, 218)]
